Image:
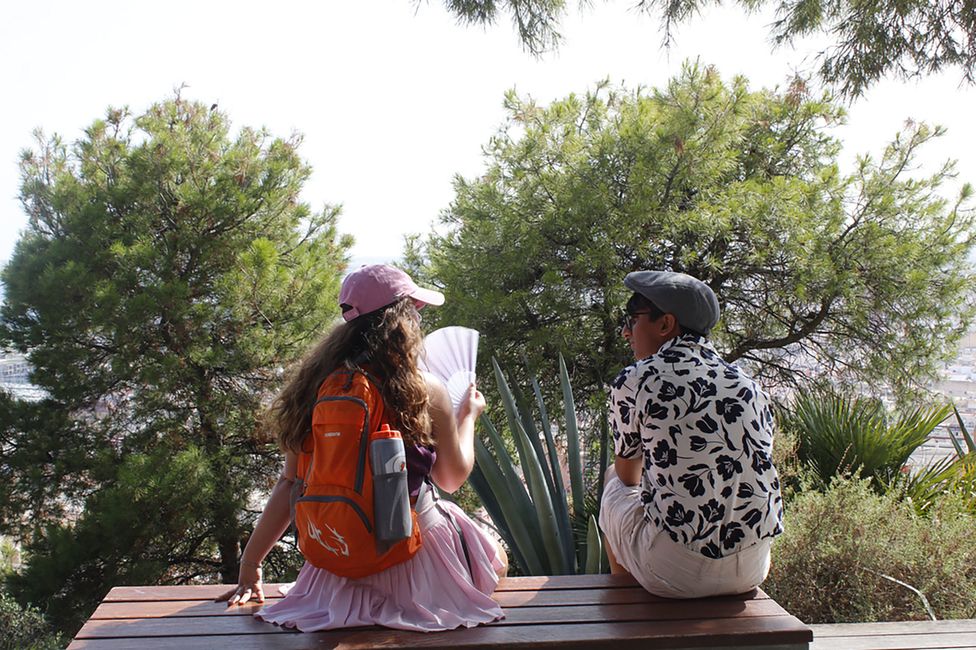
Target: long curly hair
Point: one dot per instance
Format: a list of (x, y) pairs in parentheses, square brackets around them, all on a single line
[(390, 341)]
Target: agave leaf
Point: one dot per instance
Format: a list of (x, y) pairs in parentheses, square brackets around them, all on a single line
[(532, 433), (556, 497), (547, 516), (487, 498), (960, 451), (543, 411), (511, 412), (967, 438), (594, 547), (505, 462), (533, 472), (495, 512), (532, 514), (572, 441), (554, 469), (969, 441), (512, 484), (523, 527), (556, 488)]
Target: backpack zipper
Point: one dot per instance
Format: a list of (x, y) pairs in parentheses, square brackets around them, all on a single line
[(347, 501)]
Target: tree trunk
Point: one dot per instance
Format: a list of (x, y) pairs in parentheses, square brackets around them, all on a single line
[(230, 548)]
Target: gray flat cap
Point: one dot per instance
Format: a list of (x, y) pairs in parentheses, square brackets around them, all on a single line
[(691, 301)]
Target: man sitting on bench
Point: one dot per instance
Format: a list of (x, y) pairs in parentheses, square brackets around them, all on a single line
[(693, 501)]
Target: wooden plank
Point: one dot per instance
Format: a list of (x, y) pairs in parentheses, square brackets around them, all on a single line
[(173, 608), (761, 610), (894, 627), (892, 635), (507, 599), (119, 644), (523, 583), (173, 592), (784, 631), (175, 627), (591, 581), (528, 583), (570, 611), (958, 640), (596, 597)]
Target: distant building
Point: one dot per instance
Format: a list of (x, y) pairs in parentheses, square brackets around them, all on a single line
[(13, 368), (959, 380), (15, 377), (958, 385)]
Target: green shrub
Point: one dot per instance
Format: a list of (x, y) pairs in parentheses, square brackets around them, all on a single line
[(791, 470), (828, 566), (25, 628)]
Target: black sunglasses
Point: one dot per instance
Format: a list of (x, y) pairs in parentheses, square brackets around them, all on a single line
[(628, 319)]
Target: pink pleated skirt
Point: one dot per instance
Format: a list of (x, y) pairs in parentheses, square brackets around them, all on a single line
[(431, 591)]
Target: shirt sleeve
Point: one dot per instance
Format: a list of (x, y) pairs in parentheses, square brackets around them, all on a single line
[(623, 414)]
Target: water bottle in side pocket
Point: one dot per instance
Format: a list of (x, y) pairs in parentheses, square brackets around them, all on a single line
[(391, 499)]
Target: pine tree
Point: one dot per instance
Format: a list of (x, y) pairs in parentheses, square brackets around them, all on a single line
[(169, 272), (866, 274)]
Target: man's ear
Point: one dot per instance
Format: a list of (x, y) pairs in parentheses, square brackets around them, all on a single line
[(669, 326)]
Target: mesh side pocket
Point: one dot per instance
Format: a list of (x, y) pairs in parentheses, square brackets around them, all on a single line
[(391, 507)]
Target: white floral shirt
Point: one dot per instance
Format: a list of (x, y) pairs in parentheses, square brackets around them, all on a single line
[(705, 430)]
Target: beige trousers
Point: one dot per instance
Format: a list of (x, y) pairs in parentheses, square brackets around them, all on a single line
[(667, 568)]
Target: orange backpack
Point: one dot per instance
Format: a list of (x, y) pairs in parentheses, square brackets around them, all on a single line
[(334, 511)]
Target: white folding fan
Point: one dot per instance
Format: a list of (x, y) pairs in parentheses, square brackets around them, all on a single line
[(450, 355)]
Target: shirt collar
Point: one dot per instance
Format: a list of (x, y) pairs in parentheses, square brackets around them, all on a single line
[(687, 340)]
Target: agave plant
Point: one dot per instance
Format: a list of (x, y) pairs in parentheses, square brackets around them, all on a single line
[(967, 438), (841, 435), (528, 501), (954, 472)]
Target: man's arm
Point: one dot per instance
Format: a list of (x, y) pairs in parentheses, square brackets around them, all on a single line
[(627, 446), (629, 469)]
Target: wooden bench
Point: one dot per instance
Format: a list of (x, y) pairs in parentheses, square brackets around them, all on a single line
[(958, 634), (567, 611)]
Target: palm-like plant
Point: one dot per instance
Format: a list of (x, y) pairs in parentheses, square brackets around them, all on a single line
[(967, 439), (954, 472), (841, 435), (528, 502)]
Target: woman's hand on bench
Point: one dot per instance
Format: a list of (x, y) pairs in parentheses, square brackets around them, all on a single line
[(248, 584)]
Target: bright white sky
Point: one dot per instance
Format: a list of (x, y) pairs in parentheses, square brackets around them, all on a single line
[(392, 96)]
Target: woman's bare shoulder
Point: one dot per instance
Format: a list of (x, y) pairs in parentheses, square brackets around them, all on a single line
[(434, 385), (440, 400)]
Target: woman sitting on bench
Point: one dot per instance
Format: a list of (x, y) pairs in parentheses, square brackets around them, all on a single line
[(448, 581)]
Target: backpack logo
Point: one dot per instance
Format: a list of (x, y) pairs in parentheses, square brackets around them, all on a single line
[(316, 534)]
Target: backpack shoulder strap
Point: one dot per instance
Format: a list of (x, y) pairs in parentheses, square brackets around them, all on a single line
[(350, 373), (377, 409), (374, 383)]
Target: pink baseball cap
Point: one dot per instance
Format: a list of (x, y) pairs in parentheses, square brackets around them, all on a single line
[(377, 285)]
